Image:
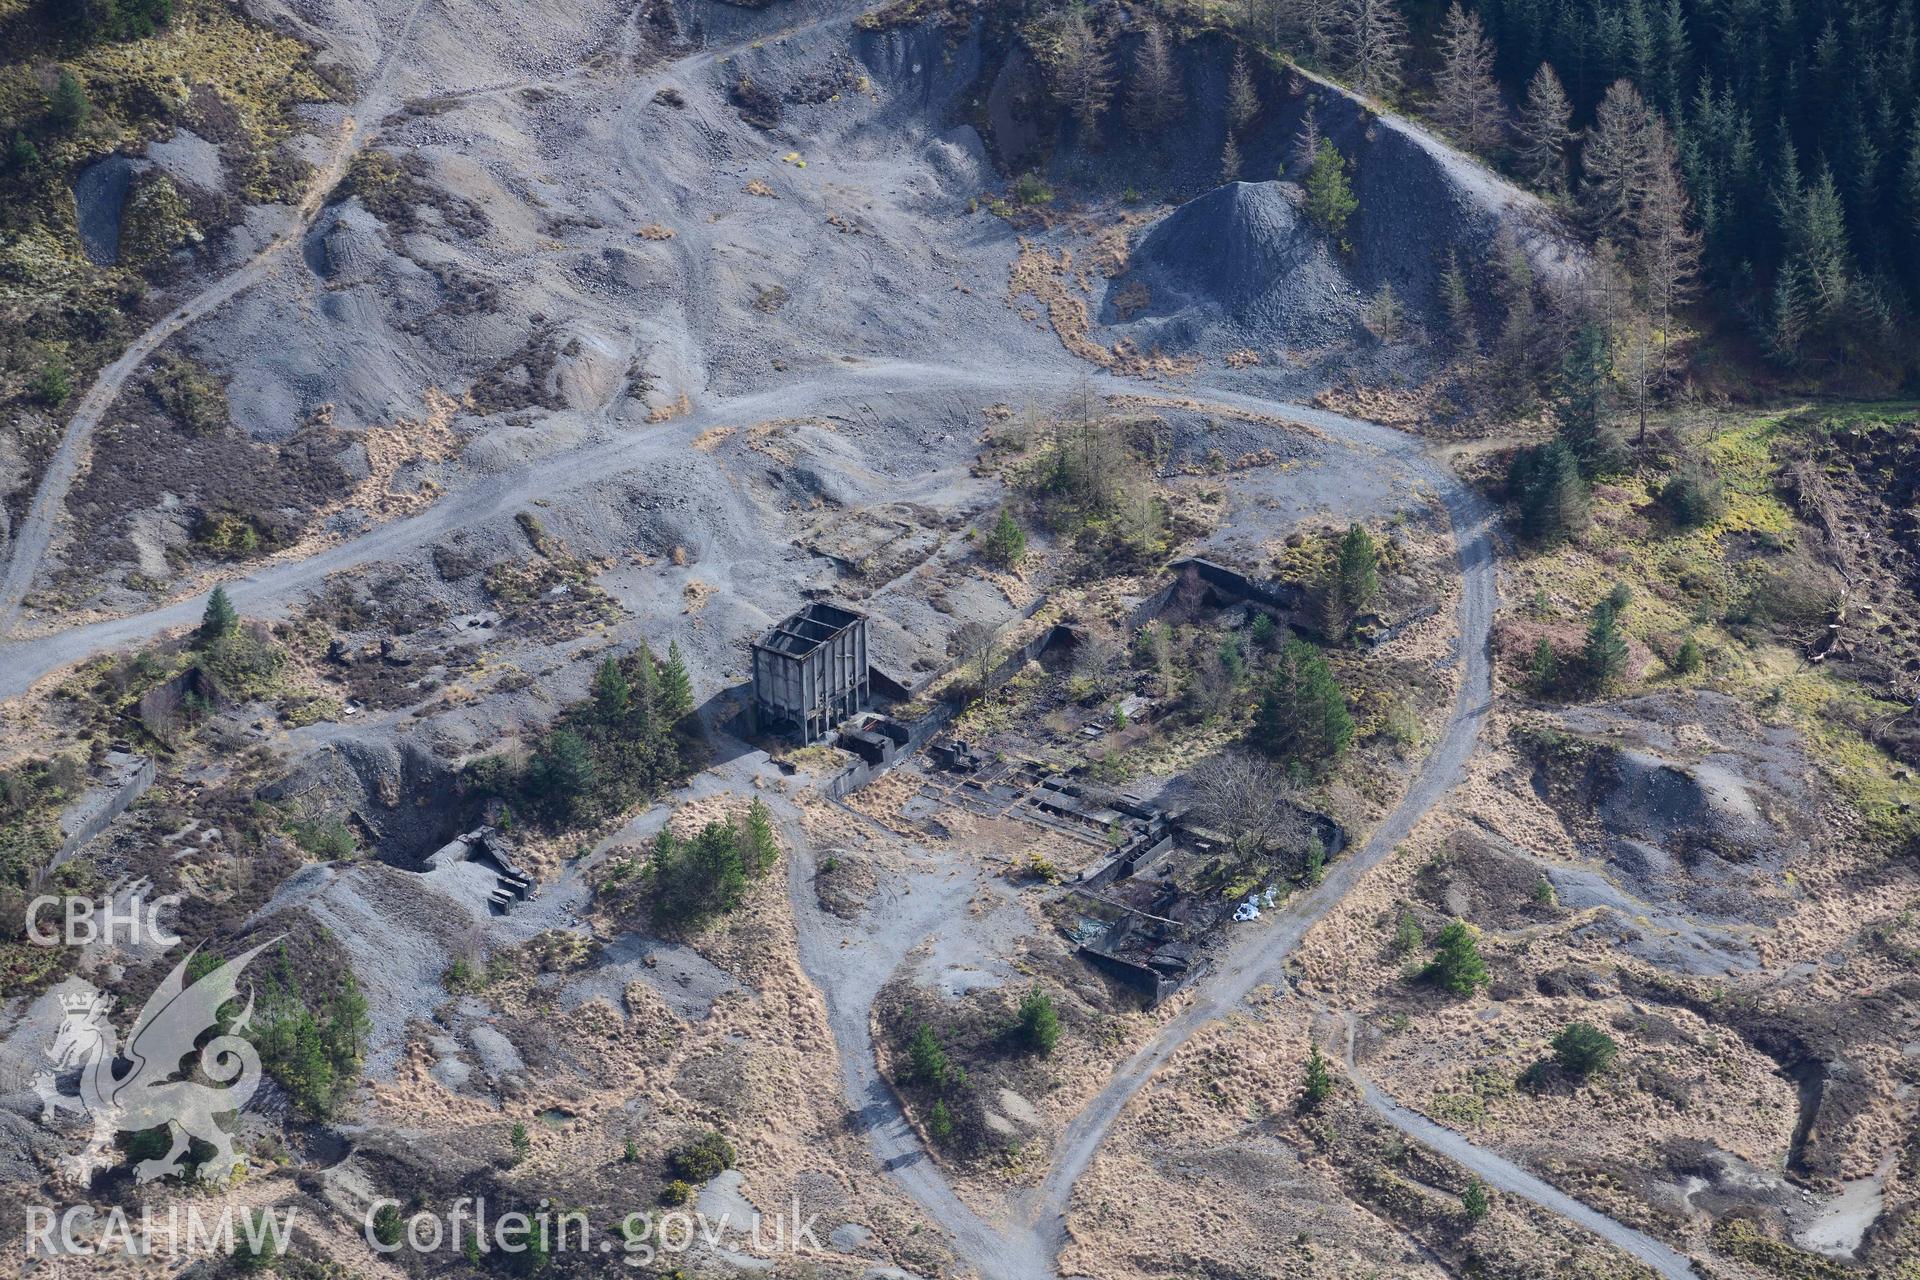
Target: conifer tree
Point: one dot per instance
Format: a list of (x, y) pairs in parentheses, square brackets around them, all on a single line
[(1079, 69), (1303, 715), (1543, 672), (1615, 160), (1467, 101), (1230, 160), (612, 694), (1243, 101), (1462, 331), (349, 1025), (762, 849), (1306, 140), (1352, 581), (1319, 1082), (67, 106), (219, 619), (1474, 1201), (1006, 542), (1456, 966), (1154, 98), (1546, 487), (1668, 248), (1544, 131), (676, 686), (1580, 401), (1330, 198), (1604, 656), (1359, 568), (1673, 67), (643, 687), (1373, 45)]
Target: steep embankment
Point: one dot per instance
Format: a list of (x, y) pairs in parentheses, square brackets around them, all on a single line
[(1242, 264), (1420, 201)]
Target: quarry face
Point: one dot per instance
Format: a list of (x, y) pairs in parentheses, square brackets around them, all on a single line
[(708, 639)]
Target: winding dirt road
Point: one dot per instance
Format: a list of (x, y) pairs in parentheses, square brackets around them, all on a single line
[(1023, 1246)]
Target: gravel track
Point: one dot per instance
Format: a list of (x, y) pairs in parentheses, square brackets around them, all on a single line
[(269, 591), (851, 978), (1503, 1175), (1259, 955)]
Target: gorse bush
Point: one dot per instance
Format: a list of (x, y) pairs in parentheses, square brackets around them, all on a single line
[(1694, 495), (702, 1159), (1583, 1050)]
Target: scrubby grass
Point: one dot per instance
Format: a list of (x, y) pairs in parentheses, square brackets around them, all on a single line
[(102, 697), (1722, 583), (209, 69), (260, 75)]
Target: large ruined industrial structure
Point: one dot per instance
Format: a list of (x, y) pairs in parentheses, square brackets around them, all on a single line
[(810, 672)]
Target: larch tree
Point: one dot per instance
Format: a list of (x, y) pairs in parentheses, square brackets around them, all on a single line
[(1373, 45), (1154, 97), (1615, 159), (1463, 331), (1080, 70), (1316, 21), (1544, 131), (1230, 160), (1302, 25), (1667, 246), (1243, 100), (1639, 363), (1306, 141), (1466, 98)]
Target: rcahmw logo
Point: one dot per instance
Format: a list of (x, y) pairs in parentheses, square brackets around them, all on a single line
[(178, 1231), (146, 1094)]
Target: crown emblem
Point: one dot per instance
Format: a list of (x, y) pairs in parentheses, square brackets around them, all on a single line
[(85, 1002)]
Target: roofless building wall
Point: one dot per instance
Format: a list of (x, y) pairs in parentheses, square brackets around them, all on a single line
[(810, 672)]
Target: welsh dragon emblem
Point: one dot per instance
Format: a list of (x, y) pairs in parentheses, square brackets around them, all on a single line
[(139, 1088)]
